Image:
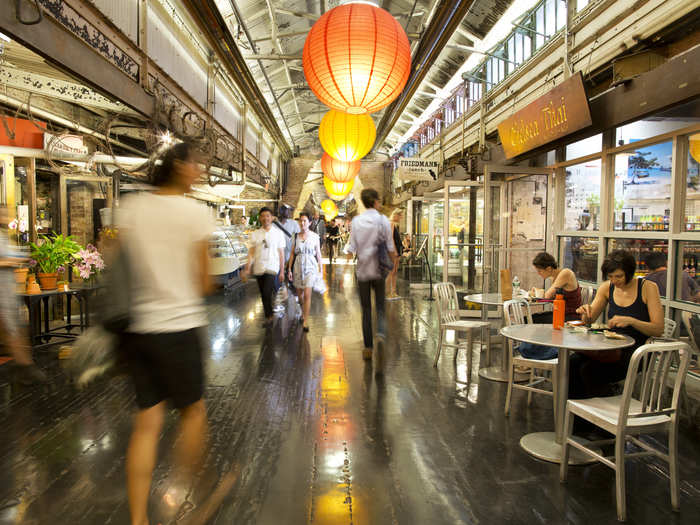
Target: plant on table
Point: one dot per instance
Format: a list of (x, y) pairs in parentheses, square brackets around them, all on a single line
[(50, 255)]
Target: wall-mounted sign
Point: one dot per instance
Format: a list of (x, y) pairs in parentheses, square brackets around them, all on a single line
[(71, 144), (561, 111), (416, 169)]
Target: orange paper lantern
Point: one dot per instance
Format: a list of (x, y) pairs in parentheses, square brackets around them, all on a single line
[(337, 170), (346, 137), (357, 58), (337, 190), (694, 147)]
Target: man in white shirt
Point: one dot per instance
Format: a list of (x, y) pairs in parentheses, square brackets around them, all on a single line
[(266, 256), (369, 230), (290, 226)]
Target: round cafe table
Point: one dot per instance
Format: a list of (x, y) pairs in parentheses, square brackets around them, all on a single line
[(500, 372), (547, 445)]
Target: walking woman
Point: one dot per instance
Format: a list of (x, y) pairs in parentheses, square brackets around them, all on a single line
[(395, 220), (305, 265), (167, 234)]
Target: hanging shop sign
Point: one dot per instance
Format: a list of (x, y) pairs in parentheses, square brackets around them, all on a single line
[(558, 113), (70, 144), (415, 169)]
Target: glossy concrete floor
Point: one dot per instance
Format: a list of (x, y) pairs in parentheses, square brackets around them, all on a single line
[(303, 432)]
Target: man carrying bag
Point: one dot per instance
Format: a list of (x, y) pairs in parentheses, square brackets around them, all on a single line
[(372, 243)]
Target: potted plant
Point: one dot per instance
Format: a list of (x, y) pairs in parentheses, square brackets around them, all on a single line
[(51, 254), (88, 262)]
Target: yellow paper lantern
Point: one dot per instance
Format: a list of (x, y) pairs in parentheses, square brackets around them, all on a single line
[(337, 190), (694, 147), (329, 209), (347, 137)]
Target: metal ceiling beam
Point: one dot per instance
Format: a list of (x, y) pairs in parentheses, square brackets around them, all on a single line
[(447, 18), (300, 14), (272, 56), (282, 35), (212, 24)]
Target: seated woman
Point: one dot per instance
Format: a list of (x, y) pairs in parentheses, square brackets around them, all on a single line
[(562, 278), (634, 309)]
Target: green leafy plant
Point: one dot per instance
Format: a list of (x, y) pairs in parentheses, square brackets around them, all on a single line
[(51, 254)]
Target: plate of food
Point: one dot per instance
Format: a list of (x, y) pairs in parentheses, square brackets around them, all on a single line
[(613, 335), (599, 326)]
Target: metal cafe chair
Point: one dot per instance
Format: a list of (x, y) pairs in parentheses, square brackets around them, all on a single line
[(449, 315), (629, 415), (517, 311)]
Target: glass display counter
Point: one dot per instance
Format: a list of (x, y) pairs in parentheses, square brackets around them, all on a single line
[(228, 253)]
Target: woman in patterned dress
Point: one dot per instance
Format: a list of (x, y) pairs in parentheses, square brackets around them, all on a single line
[(305, 266)]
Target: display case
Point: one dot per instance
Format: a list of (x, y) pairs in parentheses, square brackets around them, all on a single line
[(228, 252)]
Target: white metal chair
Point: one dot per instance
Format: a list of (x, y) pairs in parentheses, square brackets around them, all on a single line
[(628, 415), (517, 311), (669, 328), (587, 294), (448, 312)]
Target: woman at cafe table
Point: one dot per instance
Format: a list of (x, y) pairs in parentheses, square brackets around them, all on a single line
[(634, 309), (562, 279)]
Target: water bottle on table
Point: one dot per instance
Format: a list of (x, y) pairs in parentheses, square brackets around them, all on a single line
[(516, 286)]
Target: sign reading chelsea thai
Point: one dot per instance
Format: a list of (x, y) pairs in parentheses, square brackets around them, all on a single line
[(417, 169), (561, 111)]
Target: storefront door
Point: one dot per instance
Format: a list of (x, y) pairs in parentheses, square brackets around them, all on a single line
[(82, 198), (467, 254), (520, 229)]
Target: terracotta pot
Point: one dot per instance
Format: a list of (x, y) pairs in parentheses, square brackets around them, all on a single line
[(21, 275), (48, 281)]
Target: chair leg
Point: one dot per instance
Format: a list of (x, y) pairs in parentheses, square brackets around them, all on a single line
[(488, 346), (620, 477), (568, 429), (441, 335), (554, 374), (529, 392), (509, 393), (673, 466), (470, 342)]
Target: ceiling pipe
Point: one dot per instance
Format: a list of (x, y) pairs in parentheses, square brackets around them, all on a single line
[(443, 24), (214, 26)]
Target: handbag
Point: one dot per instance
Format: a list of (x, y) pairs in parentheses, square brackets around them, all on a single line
[(386, 265), (97, 349)]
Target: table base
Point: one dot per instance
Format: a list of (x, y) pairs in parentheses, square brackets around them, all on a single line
[(496, 373), (543, 446)]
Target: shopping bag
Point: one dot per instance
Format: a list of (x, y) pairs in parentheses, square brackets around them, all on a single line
[(93, 353), (293, 309), (97, 349), (319, 285)]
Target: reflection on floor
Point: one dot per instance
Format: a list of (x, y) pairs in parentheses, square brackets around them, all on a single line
[(302, 431)]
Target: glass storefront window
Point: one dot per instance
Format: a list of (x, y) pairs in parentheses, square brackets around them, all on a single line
[(643, 188), (663, 122), (527, 226), (585, 147), (692, 197), (688, 262), (583, 196), (580, 254), (641, 249)]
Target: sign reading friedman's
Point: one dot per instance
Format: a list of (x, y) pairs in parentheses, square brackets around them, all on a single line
[(561, 111), (415, 169)]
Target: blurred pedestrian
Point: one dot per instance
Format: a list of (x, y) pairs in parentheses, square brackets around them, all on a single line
[(305, 266), (318, 226), (369, 230), (290, 226), (12, 335), (169, 233), (333, 238), (266, 258), (395, 220)]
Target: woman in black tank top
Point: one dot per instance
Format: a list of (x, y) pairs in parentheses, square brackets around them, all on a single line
[(591, 374)]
